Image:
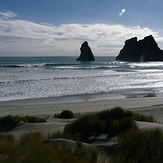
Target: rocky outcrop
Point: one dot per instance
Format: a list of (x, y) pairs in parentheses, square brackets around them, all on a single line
[(142, 50), (86, 53)]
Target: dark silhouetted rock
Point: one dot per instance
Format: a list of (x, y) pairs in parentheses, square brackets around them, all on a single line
[(142, 50), (86, 53)]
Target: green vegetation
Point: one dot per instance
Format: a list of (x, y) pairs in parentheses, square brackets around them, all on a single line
[(9, 122), (85, 126), (66, 114), (114, 122), (140, 146), (135, 146), (32, 119), (6, 143), (31, 148), (144, 118)]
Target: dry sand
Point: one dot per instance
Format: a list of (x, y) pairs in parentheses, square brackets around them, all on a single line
[(147, 106), (46, 107)]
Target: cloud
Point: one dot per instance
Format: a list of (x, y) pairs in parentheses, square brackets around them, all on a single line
[(7, 14), (26, 37)]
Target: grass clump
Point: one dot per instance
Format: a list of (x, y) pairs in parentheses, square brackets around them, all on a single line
[(144, 118), (34, 137), (140, 146), (31, 148), (6, 143), (32, 119), (85, 126), (9, 122), (114, 121), (66, 114)]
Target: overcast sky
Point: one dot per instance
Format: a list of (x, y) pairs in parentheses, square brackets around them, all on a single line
[(59, 27)]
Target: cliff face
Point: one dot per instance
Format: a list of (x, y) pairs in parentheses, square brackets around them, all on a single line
[(142, 50), (86, 53)]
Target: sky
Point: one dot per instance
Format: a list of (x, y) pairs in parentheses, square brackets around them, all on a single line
[(59, 27)]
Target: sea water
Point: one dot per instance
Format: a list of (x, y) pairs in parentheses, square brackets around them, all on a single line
[(39, 77)]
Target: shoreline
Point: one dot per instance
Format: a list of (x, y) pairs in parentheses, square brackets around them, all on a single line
[(48, 106), (80, 98), (62, 99)]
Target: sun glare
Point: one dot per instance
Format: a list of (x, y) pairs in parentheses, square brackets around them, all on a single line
[(122, 12)]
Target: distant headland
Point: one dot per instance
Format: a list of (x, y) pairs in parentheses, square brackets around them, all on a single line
[(140, 51)]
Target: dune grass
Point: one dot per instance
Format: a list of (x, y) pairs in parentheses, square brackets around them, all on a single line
[(31, 148), (6, 144), (32, 119), (140, 146), (9, 122), (135, 146), (65, 114), (115, 121), (139, 117)]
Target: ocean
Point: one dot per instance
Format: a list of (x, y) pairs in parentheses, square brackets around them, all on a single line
[(40, 77)]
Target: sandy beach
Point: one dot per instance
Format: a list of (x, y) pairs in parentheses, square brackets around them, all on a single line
[(47, 107)]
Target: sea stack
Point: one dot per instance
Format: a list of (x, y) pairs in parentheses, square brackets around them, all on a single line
[(140, 51), (86, 53)]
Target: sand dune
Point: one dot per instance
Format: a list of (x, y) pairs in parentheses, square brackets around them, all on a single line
[(147, 106)]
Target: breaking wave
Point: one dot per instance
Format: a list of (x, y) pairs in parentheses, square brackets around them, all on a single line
[(54, 78), (60, 66)]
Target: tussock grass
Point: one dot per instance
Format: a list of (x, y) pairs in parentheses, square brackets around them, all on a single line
[(32, 119), (6, 143), (31, 138), (135, 146), (85, 126), (9, 122), (31, 148), (115, 121), (144, 118), (140, 146), (66, 114)]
